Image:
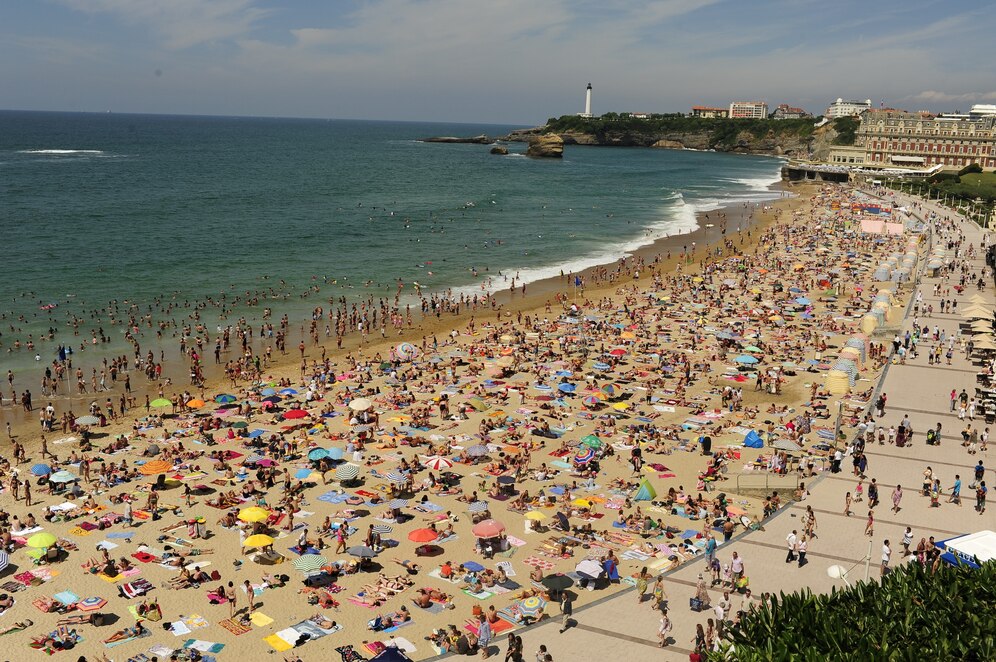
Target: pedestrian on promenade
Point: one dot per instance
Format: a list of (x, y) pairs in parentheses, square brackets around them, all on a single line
[(847, 504), (802, 546), (897, 497), (886, 555), (956, 491), (980, 497), (790, 542), (566, 609), (737, 566), (907, 541), (642, 583), (870, 524), (664, 629), (928, 480), (872, 493)]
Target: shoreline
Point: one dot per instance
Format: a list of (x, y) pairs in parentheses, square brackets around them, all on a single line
[(662, 254)]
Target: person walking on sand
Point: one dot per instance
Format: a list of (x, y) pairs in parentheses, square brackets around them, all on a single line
[(897, 497), (232, 598), (847, 505), (870, 524), (247, 585)]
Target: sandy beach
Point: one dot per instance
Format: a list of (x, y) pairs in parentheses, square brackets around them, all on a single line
[(508, 445)]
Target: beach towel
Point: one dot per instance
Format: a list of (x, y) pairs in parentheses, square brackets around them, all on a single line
[(483, 595), (277, 643), (398, 626), (135, 589), (234, 627), (260, 620), (203, 646), (433, 608)]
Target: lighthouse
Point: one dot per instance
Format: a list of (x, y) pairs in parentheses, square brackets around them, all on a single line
[(587, 102)]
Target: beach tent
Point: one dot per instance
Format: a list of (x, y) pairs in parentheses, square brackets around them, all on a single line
[(753, 440), (971, 549), (646, 492)]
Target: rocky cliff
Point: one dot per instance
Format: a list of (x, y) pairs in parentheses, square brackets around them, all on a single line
[(775, 138)]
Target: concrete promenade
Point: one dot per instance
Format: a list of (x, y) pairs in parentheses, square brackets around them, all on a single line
[(618, 628)]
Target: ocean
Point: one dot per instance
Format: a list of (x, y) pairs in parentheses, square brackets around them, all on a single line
[(140, 209)]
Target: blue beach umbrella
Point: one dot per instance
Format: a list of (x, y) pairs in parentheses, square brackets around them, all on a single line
[(225, 398), (288, 391), (301, 474), (268, 391), (566, 388), (746, 359), (317, 454), (41, 470), (335, 453), (473, 566)]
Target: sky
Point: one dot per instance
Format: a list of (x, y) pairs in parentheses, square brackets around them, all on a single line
[(488, 61)]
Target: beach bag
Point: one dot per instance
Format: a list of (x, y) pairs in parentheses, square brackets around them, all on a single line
[(695, 604)]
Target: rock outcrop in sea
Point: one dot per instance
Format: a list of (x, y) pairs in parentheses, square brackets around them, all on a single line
[(547, 146)]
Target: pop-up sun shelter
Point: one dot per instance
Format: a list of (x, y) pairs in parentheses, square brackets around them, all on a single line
[(646, 492), (970, 549), (753, 440)]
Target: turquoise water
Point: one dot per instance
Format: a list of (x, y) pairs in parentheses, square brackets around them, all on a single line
[(101, 208)]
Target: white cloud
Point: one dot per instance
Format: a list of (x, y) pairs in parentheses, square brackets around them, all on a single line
[(180, 23), (933, 96)]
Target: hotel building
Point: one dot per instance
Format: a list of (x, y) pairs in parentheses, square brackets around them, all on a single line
[(749, 110), (892, 138)]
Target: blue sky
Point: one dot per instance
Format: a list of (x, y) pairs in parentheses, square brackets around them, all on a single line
[(501, 61)]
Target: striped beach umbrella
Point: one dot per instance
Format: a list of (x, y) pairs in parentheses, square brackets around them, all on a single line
[(87, 420), (612, 390), (225, 398), (437, 463), (91, 603), (477, 507), (5, 560), (591, 401), (156, 467), (397, 503), (530, 606), (347, 472), (395, 476), (63, 477), (477, 451), (584, 456), (310, 562), (382, 529)]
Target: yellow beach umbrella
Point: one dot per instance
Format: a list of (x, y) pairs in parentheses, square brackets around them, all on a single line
[(621, 406), (258, 540), (253, 514), (535, 515), (41, 540)]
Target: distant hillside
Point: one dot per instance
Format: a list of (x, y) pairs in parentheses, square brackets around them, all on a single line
[(797, 138)]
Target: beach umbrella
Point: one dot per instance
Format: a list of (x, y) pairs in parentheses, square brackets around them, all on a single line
[(347, 472), (310, 562), (382, 529), (557, 582), (271, 399), (317, 454), (591, 441), (397, 503), (488, 528), (477, 507), (91, 604), (566, 388), (589, 568), (258, 540), (41, 470), (395, 476), (584, 456), (478, 404), (477, 451), (4, 560), (268, 391), (224, 398), (335, 453), (437, 463), (535, 515), (473, 566), (41, 540), (422, 535), (63, 477), (295, 413), (531, 606), (161, 402), (156, 467), (288, 391), (87, 420), (612, 390), (617, 352), (506, 480), (361, 551), (239, 425), (360, 404), (746, 359), (195, 403), (253, 514), (591, 401), (598, 365)]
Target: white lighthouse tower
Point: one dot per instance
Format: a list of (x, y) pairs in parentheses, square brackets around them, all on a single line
[(587, 102)]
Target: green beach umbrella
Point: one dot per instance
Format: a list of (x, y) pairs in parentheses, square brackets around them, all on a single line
[(41, 540), (591, 441), (161, 402)]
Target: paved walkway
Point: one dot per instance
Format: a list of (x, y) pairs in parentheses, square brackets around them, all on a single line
[(618, 628)]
